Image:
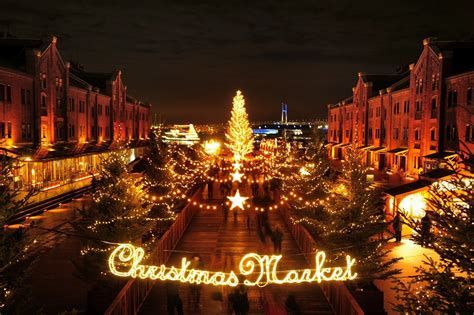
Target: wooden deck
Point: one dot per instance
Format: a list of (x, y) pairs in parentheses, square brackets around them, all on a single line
[(221, 245)]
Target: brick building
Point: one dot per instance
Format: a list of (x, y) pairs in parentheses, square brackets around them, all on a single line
[(57, 117), (411, 121), (410, 124)]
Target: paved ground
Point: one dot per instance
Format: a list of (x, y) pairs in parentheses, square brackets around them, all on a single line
[(221, 245), (413, 255)]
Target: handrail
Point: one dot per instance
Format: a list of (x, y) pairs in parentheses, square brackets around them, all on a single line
[(337, 294), (134, 293)]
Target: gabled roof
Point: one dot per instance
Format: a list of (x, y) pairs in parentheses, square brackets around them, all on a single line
[(382, 81), (403, 83), (95, 79), (459, 52), (13, 51)]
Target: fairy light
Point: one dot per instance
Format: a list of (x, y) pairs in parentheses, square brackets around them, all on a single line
[(259, 270)]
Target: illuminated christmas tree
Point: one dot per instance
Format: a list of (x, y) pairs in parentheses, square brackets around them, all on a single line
[(444, 286), (239, 133)]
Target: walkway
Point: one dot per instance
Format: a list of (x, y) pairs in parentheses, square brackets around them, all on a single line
[(221, 245)]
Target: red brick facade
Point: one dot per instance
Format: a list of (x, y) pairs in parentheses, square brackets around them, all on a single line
[(408, 122), (45, 100)]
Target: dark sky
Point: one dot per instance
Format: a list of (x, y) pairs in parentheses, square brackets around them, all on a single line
[(188, 57)]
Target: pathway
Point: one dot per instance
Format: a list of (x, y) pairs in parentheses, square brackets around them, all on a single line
[(221, 245)]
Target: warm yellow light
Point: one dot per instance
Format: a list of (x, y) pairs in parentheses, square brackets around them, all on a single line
[(237, 165), (304, 171), (413, 205), (237, 200), (259, 270), (237, 177), (212, 147)]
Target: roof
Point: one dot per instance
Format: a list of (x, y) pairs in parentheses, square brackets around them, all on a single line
[(377, 149), (402, 84), (96, 79), (13, 51), (397, 150), (459, 52), (440, 155), (407, 188), (382, 81), (438, 173)]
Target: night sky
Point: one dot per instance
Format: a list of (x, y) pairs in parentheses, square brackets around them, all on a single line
[(188, 57)]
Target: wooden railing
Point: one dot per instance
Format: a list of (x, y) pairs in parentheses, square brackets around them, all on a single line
[(341, 300), (134, 293)]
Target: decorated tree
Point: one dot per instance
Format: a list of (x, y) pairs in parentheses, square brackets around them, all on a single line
[(14, 255), (357, 222), (239, 133), (444, 285), (118, 214)]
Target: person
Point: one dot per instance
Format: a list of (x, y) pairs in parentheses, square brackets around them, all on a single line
[(425, 229), (173, 300), (248, 220), (195, 289), (210, 189), (222, 188), (254, 187), (277, 237), (235, 212), (291, 306), (397, 227), (239, 300), (225, 209)]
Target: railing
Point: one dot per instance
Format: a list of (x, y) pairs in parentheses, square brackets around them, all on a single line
[(134, 293), (337, 294)]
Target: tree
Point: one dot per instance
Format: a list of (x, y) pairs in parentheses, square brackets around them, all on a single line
[(239, 133), (14, 257), (443, 286)]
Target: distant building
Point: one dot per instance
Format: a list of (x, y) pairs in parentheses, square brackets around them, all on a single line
[(57, 117)]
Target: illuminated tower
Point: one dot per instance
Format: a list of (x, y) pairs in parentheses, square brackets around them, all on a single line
[(284, 113)]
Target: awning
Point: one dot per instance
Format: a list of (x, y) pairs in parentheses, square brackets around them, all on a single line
[(365, 147), (398, 151), (341, 145), (408, 188), (378, 149), (441, 155), (438, 174)]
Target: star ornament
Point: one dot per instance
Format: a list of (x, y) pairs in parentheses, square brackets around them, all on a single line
[(237, 200), (237, 165), (237, 177)]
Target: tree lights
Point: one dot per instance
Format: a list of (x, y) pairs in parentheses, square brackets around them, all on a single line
[(239, 134)]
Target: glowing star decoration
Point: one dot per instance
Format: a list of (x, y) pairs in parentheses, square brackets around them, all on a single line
[(237, 177), (237, 165), (258, 270), (237, 200)]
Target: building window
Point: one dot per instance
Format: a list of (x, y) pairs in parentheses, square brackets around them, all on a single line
[(370, 133), (469, 96), (377, 133), (9, 94), (452, 98), (418, 106), (23, 96), (433, 134), (451, 132), (395, 133), (43, 81), (417, 134), (406, 107), (434, 111), (81, 106), (405, 133), (71, 104), (396, 108), (469, 133), (9, 129), (434, 82), (28, 97)]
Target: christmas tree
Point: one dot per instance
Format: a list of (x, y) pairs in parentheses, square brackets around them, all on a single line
[(15, 258), (443, 286), (239, 133)]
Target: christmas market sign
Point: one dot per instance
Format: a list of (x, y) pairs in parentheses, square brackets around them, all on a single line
[(257, 270)]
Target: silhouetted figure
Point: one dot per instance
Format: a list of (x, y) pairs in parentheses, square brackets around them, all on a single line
[(425, 229), (291, 306), (195, 289), (210, 190), (239, 300), (225, 210), (277, 238), (235, 212), (397, 227), (173, 300), (254, 187)]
